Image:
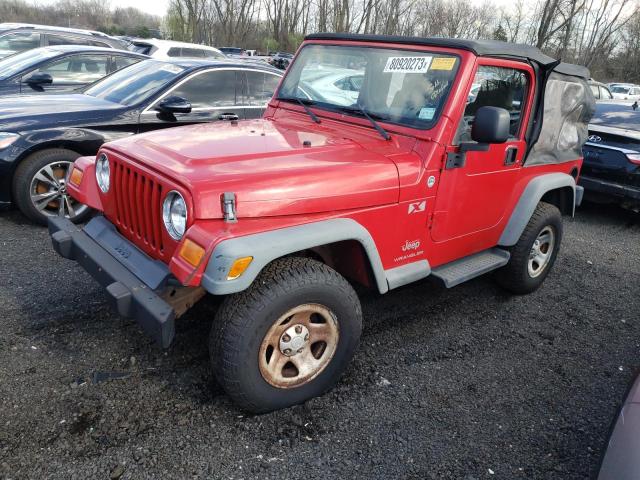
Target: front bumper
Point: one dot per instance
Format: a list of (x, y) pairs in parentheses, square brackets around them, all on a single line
[(133, 280)]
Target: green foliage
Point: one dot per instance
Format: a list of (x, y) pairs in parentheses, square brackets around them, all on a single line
[(294, 41), (270, 45), (499, 33)]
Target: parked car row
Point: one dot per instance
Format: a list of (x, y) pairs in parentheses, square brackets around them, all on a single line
[(40, 136), (19, 37), (624, 91)]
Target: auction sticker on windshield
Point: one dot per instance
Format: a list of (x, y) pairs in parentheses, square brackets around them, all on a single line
[(407, 64)]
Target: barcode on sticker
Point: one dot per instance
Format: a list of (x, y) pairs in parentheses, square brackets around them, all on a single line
[(407, 64)]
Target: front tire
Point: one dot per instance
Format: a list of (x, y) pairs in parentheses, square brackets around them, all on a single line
[(39, 188), (288, 337), (535, 253)]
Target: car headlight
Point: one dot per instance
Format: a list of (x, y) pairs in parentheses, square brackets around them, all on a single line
[(7, 138), (174, 214), (103, 173)]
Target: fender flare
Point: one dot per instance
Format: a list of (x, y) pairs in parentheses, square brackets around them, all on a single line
[(268, 246), (531, 196)]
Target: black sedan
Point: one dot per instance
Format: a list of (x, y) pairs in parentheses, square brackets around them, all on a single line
[(611, 169), (60, 69), (40, 136)]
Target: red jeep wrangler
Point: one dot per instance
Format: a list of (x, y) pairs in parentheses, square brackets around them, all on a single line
[(380, 161)]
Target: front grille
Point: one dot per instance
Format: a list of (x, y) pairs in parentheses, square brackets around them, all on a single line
[(137, 206)]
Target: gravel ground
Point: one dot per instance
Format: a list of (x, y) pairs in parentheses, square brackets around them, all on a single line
[(468, 383)]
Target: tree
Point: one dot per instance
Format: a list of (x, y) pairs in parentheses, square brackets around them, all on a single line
[(499, 33)]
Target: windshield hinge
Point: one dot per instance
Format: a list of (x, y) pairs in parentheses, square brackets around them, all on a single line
[(229, 207)]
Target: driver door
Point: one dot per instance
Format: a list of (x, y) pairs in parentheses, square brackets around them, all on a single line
[(473, 198), (214, 96)]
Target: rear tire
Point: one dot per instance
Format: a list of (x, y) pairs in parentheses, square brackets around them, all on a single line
[(39, 186), (288, 337), (535, 253)]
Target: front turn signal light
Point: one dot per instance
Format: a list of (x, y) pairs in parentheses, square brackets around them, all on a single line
[(191, 252), (76, 176), (239, 267)]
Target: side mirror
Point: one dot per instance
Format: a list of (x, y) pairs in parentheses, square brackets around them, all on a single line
[(491, 125), (173, 104), (38, 80)]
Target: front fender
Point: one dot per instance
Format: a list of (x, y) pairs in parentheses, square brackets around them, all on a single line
[(531, 196), (268, 246), (87, 192)]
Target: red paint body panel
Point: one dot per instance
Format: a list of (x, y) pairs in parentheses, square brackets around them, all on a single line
[(273, 173), (87, 192), (346, 171)]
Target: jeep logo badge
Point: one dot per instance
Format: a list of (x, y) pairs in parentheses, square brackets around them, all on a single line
[(595, 138), (123, 250)]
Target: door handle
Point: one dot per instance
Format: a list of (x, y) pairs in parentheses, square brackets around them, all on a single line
[(510, 155), (228, 116)]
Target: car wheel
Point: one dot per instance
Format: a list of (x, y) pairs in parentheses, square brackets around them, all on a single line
[(288, 337), (535, 253), (39, 186)]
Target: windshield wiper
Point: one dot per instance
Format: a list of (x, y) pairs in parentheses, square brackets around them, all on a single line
[(358, 109), (303, 104)]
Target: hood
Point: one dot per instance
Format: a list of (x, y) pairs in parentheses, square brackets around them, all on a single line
[(273, 169), (22, 113)]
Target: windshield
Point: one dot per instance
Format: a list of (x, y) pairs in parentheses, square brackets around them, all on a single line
[(136, 83), (13, 64), (620, 89), (396, 86)]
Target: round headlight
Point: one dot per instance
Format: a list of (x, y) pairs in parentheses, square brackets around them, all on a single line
[(174, 214), (103, 172)]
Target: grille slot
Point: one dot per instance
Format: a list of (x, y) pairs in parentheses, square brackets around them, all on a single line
[(138, 209)]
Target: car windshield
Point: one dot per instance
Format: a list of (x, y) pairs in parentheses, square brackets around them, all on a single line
[(396, 86), (620, 89), (136, 83), (14, 64)]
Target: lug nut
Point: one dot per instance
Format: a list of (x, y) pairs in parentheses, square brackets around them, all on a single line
[(298, 328), (286, 338), (287, 351), (306, 337), (300, 351)]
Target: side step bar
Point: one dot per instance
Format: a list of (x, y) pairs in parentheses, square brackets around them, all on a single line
[(459, 271)]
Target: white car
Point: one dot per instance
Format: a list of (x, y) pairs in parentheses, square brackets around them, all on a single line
[(341, 86), (625, 92), (167, 49)]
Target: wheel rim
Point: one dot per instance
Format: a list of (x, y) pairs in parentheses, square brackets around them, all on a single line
[(298, 346), (48, 191), (541, 251)]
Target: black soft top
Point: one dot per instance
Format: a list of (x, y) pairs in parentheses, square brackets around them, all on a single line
[(482, 48)]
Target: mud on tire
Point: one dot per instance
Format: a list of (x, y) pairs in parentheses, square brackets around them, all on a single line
[(293, 298)]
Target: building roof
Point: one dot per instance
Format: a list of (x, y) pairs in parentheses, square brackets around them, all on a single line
[(483, 48)]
